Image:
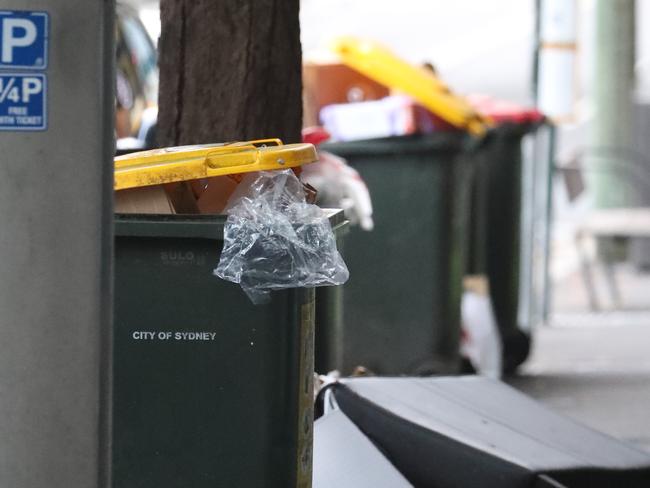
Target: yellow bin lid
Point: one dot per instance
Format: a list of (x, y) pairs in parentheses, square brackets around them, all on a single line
[(381, 65), (183, 163)]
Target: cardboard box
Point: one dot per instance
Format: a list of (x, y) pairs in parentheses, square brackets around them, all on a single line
[(145, 200), (213, 193), (327, 84)]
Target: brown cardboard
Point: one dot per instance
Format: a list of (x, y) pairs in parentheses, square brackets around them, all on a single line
[(145, 200), (205, 196), (326, 84), (182, 197), (213, 193)]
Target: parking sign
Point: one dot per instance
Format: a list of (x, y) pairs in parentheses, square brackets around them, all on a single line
[(23, 102), (24, 39)]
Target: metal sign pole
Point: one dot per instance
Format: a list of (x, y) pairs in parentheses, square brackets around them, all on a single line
[(56, 144)]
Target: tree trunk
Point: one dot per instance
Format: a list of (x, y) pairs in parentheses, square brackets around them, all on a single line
[(229, 70)]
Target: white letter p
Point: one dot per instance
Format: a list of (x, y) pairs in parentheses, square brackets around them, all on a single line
[(10, 40)]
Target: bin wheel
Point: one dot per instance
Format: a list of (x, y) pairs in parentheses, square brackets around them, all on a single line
[(516, 348), (433, 367)]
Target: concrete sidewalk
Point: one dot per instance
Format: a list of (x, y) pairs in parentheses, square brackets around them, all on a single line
[(595, 367)]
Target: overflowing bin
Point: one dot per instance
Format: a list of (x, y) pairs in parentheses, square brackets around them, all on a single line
[(209, 388), (401, 307)]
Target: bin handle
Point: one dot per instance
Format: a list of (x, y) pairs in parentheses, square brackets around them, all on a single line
[(230, 155), (267, 142)]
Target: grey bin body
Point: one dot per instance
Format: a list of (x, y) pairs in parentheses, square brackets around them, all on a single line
[(345, 458), (472, 431), (402, 303), (232, 410)]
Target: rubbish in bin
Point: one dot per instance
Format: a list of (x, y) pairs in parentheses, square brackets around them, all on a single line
[(381, 65), (327, 83), (178, 171), (396, 115), (274, 239), (149, 200), (339, 184)]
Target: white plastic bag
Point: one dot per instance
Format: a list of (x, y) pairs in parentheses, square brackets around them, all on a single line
[(339, 185), (481, 342), (274, 239)]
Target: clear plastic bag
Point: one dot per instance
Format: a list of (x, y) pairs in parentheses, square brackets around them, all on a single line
[(274, 239)]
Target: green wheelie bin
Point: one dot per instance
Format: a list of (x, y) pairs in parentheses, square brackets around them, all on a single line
[(423, 288), (401, 306), (495, 243), (209, 389)]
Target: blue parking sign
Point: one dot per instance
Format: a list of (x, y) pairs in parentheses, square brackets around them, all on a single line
[(23, 102), (23, 39)]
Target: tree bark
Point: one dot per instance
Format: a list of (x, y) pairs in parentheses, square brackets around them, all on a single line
[(229, 70)]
